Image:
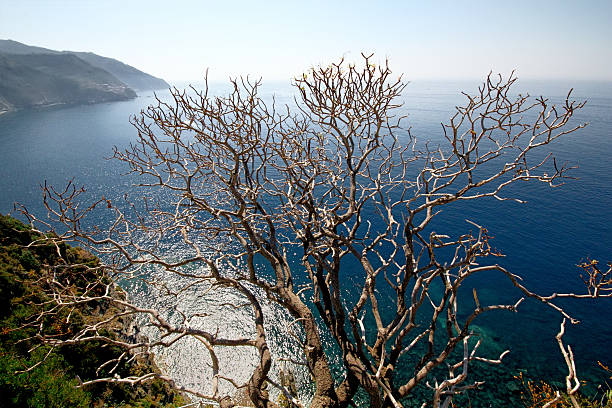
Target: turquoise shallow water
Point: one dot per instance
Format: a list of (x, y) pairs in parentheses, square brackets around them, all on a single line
[(543, 240)]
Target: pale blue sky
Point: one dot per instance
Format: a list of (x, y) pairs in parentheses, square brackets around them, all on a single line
[(278, 40)]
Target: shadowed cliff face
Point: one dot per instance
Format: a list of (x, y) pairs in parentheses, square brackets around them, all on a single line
[(35, 77)]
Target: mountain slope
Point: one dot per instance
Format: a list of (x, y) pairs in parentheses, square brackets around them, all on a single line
[(31, 80), (14, 47), (129, 75)]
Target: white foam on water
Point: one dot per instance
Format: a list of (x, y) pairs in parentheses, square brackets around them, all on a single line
[(224, 312)]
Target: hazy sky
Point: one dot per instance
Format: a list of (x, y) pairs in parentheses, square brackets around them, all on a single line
[(280, 39)]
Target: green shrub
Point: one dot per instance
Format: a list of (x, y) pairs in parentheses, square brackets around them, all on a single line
[(53, 382)]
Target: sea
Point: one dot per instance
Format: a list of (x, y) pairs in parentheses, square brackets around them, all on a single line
[(543, 240)]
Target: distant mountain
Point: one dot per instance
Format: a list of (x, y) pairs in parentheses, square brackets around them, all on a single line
[(14, 47), (34, 76), (127, 74), (34, 80)]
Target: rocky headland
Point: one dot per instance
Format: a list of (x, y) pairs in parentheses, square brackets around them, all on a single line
[(33, 77)]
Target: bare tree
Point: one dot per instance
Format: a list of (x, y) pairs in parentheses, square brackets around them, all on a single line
[(242, 184)]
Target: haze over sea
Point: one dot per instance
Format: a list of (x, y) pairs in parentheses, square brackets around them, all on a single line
[(543, 240)]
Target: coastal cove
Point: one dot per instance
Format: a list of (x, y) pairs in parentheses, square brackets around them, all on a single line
[(543, 240)]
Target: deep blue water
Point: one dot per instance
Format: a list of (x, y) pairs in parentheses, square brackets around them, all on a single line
[(543, 240), (546, 238)]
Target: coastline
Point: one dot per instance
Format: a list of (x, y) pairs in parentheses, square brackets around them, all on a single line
[(62, 105)]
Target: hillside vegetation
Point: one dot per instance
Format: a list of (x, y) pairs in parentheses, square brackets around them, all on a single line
[(53, 383)]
